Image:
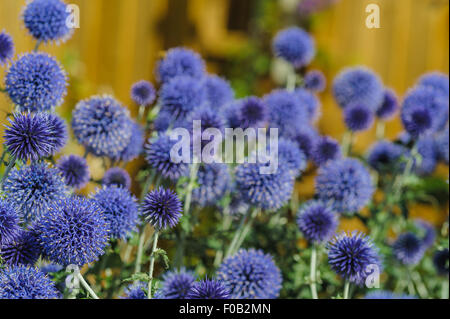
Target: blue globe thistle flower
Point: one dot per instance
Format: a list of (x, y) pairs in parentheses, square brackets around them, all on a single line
[(317, 221), (161, 208), (428, 233), (46, 20), (116, 176), (267, 191), (250, 274), (143, 93), (428, 151), (294, 45), (440, 261), (73, 231), (31, 189), (25, 282), (408, 249), (74, 170), (180, 62), (176, 284), (230, 112), (306, 137), (358, 117), (136, 291), (213, 181), (218, 91), (383, 294), (36, 82), (237, 205), (120, 209), (326, 149), (292, 156), (344, 184), (23, 250), (163, 121), (384, 156), (208, 289), (442, 145), (50, 268), (350, 256), (315, 81), (389, 107), (417, 120), (358, 85), (134, 146), (9, 222), (157, 154), (309, 102), (437, 81), (252, 112), (102, 125), (6, 48)]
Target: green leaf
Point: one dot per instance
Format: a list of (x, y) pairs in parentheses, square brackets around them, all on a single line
[(138, 277)]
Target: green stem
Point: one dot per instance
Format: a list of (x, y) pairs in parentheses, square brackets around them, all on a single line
[(137, 266), (242, 231), (36, 47), (313, 272), (86, 286), (400, 180), (444, 289), (346, 289), (291, 81), (11, 163), (347, 141), (152, 264), (141, 113), (380, 131)]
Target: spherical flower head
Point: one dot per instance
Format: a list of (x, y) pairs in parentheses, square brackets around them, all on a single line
[(352, 256), (163, 121), (344, 184), (134, 146), (326, 149), (292, 156), (36, 82), (252, 112), (116, 176), (309, 102), (317, 221), (176, 284), (315, 81), (25, 282), (6, 48), (389, 107), (358, 85), (31, 189), (157, 154), (218, 91), (213, 181), (120, 209), (46, 20), (428, 233), (136, 291), (102, 125), (358, 117), (180, 62), (9, 222), (441, 261), (429, 154), (181, 95), (306, 137), (230, 112), (208, 289), (162, 208), (250, 274), (74, 170), (408, 249), (417, 120), (384, 156), (294, 45), (437, 81), (143, 93), (383, 294), (442, 145), (23, 250), (73, 231)]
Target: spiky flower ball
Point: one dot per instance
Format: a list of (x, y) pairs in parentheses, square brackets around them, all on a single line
[(143, 93), (250, 274), (384, 156), (442, 145), (9, 222), (429, 154), (292, 156), (352, 256), (46, 20), (317, 221), (309, 102), (417, 120), (25, 282), (252, 112), (344, 184), (116, 176), (326, 149), (36, 82), (31, 189), (6, 48), (162, 208), (315, 81), (23, 250), (102, 125), (383, 294), (441, 261), (120, 209), (163, 121), (74, 170), (73, 231), (294, 45), (136, 291), (389, 107), (218, 91), (180, 62), (408, 249), (230, 113), (134, 146), (208, 289), (358, 117), (437, 81), (358, 85), (213, 181), (176, 284), (306, 137)]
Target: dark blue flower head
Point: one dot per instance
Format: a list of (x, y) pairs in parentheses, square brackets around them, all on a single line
[(180, 62), (344, 184), (230, 113), (213, 181), (306, 137), (116, 176), (208, 289), (352, 256), (252, 112), (162, 208), (31, 189), (384, 156), (73, 231), (441, 261), (134, 146), (9, 222), (358, 85), (74, 170), (120, 209), (136, 291), (143, 93), (389, 107), (102, 125), (317, 221), (250, 274), (36, 82), (358, 117), (176, 284), (309, 102), (157, 154), (326, 149), (6, 48), (315, 81), (417, 120), (292, 156), (428, 151), (218, 91), (437, 81), (383, 294), (163, 121), (294, 45), (408, 249), (25, 282), (442, 145), (46, 20), (23, 250)]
